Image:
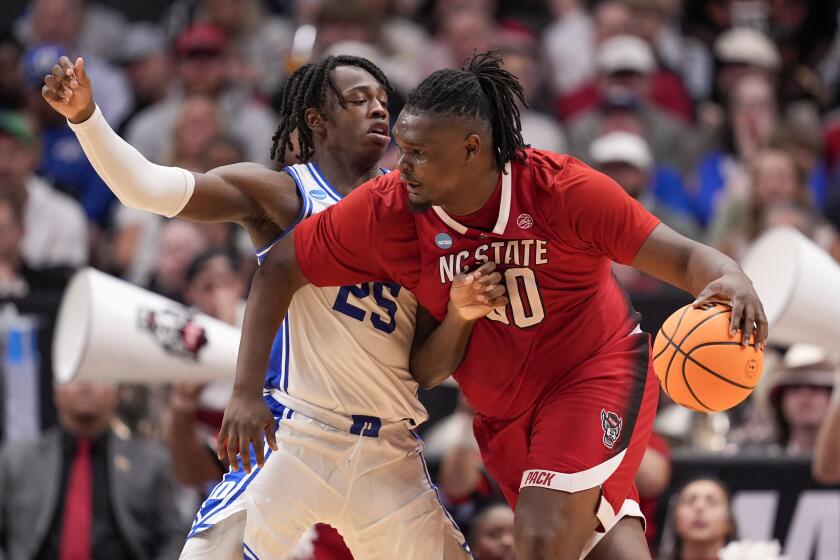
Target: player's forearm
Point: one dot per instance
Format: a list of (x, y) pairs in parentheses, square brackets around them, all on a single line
[(434, 360), (705, 265), (272, 288), (826, 466), (681, 262), (134, 180)]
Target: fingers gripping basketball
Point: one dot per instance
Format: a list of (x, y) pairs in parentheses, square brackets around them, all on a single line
[(699, 364)]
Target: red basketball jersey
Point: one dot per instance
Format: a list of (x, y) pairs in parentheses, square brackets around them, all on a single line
[(558, 226)]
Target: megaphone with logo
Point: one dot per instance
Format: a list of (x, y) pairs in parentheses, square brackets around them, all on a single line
[(799, 285), (110, 330)]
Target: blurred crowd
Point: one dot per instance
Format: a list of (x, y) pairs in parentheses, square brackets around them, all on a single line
[(719, 116)]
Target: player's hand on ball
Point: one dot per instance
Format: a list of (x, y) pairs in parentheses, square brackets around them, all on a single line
[(247, 419), (748, 315), (475, 294), (68, 90)]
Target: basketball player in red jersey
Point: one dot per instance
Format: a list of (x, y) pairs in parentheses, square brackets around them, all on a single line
[(560, 378)]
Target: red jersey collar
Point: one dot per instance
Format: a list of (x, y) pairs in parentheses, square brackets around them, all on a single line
[(504, 208)]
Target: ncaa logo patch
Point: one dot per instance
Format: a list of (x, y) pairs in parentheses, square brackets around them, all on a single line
[(524, 221), (443, 241), (318, 194)]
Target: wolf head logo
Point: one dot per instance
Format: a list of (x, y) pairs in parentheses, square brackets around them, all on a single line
[(611, 424)]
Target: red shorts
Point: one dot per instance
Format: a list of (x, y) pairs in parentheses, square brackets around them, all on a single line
[(592, 430)]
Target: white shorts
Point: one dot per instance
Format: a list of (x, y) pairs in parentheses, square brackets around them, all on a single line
[(368, 481)]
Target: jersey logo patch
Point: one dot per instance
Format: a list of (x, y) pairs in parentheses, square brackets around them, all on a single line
[(524, 221), (318, 194), (611, 424), (443, 241)]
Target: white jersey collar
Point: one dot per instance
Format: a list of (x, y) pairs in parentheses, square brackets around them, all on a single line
[(504, 208)]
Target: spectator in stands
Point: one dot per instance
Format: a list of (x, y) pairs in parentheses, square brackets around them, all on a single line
[(743, 51), (179, 243), (491, 533), (658, 23), (145, 60), (12, 93), (774, 178), (86, 29), (752, 117), (83, 491), (625, 66), (700, 521), (569, 44), (460, 32), (538, 129), (197, 124), (214, 287), (204, 68), (826, 465), (62, 161), (465, 485), (800, 396), (626, 158), (259, 39), (33, 292), (55, 228)]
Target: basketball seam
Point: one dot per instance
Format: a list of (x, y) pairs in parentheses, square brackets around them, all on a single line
[(671, 361), (678, 349), (690, 390), (687, 355)]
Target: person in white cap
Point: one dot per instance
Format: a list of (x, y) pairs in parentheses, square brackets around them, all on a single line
[(800, 398), (626, 158), (743, 50), (625, 66)]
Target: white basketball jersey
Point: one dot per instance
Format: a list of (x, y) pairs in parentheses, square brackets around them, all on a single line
[(344, 350)]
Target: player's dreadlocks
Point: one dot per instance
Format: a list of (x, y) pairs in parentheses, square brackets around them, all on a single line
[(481, 89), (307, 87)]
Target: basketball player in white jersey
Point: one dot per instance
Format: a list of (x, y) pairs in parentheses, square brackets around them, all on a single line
[(344, 407)]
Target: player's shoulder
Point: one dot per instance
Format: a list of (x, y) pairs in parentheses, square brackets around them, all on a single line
[(551, 172), (386, 193)]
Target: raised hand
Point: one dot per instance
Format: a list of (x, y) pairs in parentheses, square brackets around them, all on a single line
[(475, 294), (68, 90)]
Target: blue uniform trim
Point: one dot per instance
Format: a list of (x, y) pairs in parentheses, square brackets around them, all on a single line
[(248, 553), (305, 211), (240, 480), (274, 375), (315, 171), (367, 426), (236, 481)]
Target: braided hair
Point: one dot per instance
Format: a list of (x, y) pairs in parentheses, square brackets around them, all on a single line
[(307, 88), (482, 90)]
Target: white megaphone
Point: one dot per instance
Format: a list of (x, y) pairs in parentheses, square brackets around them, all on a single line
[(799, 285), (110, 330)]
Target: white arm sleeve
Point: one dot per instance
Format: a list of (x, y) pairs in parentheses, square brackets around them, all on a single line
[(135, 181)]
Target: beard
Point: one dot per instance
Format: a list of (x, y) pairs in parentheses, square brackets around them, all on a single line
[(418, 208)]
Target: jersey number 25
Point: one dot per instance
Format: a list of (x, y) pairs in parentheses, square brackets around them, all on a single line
[(362, 291)]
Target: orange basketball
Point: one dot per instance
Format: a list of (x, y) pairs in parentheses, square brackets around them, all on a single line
[(699, 364)]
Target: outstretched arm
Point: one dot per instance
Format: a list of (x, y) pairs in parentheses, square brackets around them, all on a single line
[(439, 348), (243, 193), (705, 273), (247, 416)]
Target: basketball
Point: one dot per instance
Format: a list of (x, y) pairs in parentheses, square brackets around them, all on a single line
[(698, 363)]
